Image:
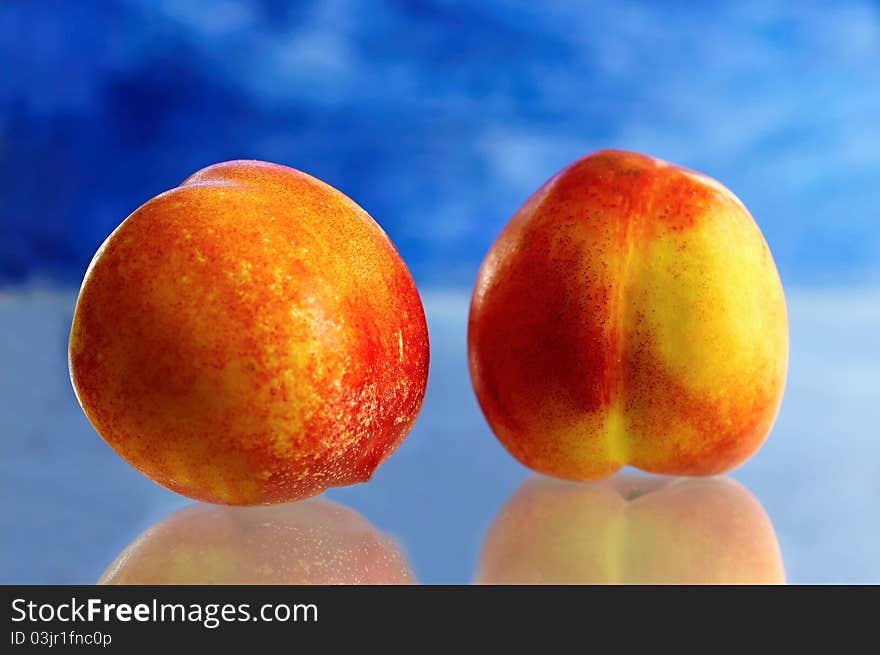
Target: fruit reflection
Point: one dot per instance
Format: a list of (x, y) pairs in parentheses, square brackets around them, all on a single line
[(631, 530), (310, 542)]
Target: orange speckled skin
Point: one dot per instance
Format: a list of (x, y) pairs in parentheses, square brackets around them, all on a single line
[(631, 529), (250, 337), (630, 313), (310, 542)]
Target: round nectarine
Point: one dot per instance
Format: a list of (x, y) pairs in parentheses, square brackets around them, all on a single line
[(251, 336)]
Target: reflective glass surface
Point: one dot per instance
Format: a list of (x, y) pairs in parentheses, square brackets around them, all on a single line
[(451, 506)]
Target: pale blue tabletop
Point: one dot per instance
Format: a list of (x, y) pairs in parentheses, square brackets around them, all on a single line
[(69, 505)]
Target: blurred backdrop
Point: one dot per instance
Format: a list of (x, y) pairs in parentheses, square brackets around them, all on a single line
[(439, 117)]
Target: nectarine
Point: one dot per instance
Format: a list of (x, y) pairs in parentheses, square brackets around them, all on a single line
[(631, 530), (629, 313), (314, 541), (249, 337)]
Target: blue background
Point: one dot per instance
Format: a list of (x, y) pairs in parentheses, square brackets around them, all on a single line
[(439, 118)]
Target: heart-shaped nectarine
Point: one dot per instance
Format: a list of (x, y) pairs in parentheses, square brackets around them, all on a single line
[(629, 313)]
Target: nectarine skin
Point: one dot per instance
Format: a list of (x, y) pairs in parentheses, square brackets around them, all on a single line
[(630, 313), (250, 337)]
